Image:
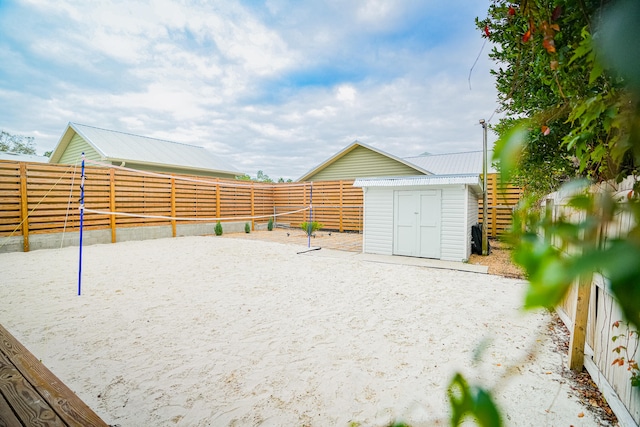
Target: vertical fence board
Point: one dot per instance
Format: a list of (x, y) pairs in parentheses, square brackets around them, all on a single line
[(10, 199), (253, 224), (24, 206), (112, 204), (173, 207), (603, 311), (501, 200)]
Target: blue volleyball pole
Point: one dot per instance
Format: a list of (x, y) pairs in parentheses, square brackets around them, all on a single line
[(81, 223), (309, 226)]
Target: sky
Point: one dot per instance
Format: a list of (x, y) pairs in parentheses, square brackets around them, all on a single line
[(277, 85)]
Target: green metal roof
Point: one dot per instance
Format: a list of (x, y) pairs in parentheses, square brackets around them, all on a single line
[(117, 147)]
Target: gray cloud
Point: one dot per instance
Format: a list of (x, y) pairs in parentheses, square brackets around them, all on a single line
[(278, 88)]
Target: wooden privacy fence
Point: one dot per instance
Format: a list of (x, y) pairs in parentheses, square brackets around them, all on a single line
[(336, 204), (501, 200), (602, 312), (40, 198)]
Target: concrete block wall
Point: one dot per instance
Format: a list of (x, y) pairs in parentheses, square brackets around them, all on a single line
[(11, 244), (125, 234), (58, 240), (143, 233)]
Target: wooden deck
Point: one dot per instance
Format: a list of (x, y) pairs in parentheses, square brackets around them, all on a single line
[(31, 395)]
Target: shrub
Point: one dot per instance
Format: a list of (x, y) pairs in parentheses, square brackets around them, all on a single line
[(270, 224), (218, 229), (310, 227), (247, 228)]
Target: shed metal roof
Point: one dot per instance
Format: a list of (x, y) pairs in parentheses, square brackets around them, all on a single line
[(453, 163), (121, 146), (421, 180)]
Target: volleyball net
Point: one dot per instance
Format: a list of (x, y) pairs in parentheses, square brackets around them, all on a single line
[(342, 218), (119, 198), (142, 198)]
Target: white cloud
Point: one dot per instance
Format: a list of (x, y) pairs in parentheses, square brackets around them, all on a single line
[(322, 113), (132, 123), (228, 77), (346, 93), (376, 12)]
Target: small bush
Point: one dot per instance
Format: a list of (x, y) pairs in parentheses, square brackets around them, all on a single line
[(270, 224), (310, 227), (218, 229), (247, 228)]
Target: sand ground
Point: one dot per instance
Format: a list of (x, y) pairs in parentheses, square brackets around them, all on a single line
[(207, 331)]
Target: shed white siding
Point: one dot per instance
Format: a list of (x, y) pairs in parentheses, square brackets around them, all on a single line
[(378, 221), (454, 222), (459, 211), (472, 216)]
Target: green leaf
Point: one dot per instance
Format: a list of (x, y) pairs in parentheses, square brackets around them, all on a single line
[(486, 413), (621, 266), (548, 285), (617, 34), (471, 401), (546, 268), (618, 263), (581, 201), (508, 150), (584, 48)]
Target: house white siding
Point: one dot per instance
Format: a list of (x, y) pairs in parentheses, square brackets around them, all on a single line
[(378, 221)]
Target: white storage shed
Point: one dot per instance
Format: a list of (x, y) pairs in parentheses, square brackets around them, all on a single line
[(427, 216)]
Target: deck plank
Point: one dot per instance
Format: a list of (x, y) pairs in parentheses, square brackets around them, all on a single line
[(26, 403), (7, 417), (65, 404)]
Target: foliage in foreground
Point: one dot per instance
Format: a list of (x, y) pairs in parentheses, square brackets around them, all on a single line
[(550, 269), (576, 114), (557, 79)]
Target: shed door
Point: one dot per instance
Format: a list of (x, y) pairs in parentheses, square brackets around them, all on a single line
[(417, 223)]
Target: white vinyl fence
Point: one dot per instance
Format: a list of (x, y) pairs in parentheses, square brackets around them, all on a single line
[(613, 380)]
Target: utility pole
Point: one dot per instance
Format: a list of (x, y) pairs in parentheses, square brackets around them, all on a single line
[(485, 242)]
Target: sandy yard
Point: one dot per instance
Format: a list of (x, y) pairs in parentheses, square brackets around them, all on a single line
[(208, 331)]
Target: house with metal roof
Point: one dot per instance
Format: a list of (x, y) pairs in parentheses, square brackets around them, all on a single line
[(421, 206), (359, 160), (138, 152), (453, 163)]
